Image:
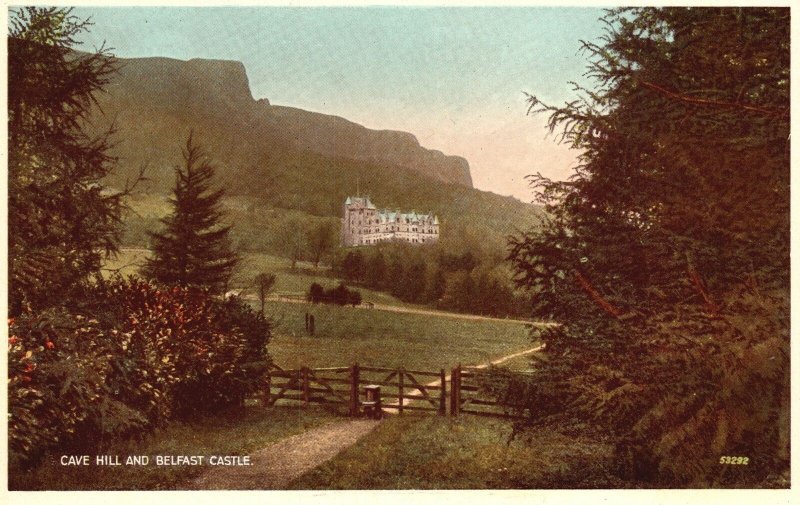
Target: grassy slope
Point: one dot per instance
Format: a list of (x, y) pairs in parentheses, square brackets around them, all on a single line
[(478, 222), (219, 435), (431, 452), (346, 335), (265, 169), (287, 282)]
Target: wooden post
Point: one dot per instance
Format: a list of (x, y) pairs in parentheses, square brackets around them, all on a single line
[(266, 399), (304, 372), (354, 379), (400, 373), (455, 390), (443, 394), (372, 405)]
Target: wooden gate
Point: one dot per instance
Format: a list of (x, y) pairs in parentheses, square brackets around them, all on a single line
[(401, 389), (469, 394)]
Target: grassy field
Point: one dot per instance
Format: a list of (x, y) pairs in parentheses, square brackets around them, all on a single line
[(296, 282), (431, 452), (345, 335), (223, 435), (287, 282)]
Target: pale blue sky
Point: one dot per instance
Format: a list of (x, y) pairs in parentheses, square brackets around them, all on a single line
[(454, 77)]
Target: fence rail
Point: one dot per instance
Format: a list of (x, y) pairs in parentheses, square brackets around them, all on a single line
[(403, 389)]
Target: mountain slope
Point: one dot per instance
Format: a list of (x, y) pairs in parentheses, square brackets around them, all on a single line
[(286, 158)]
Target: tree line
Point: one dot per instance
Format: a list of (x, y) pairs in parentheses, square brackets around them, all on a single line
[(433, 275)]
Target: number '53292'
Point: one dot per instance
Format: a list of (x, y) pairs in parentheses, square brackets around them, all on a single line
[(734, 460)]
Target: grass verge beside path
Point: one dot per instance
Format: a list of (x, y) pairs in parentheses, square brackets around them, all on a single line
[(431, 452), (233, 434)]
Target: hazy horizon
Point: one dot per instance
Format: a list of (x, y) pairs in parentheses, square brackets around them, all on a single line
[(453, 77)]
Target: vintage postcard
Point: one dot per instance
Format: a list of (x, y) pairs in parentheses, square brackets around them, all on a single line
[(503, 250)]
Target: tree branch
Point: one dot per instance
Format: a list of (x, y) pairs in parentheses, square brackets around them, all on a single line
[(594, 295), (713, 103)]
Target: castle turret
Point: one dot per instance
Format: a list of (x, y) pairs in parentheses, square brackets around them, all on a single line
[(364, 224)]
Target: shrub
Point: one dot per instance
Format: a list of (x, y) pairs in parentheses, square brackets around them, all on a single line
[(340, 295), (315, 293), (60, 384), (145, 355)]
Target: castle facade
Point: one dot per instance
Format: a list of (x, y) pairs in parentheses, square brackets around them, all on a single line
[(364, 224)]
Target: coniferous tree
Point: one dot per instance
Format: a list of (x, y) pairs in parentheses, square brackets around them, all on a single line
[(194, 249), (665, 259), (61, 222)]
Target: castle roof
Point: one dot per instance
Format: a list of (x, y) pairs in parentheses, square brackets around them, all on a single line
[(364, 201), (391, 216)]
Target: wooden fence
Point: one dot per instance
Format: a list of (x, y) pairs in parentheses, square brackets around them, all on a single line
[(401, 389)]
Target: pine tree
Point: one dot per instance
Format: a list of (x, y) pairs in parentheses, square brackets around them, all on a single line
[(665, 259), (61, 221), (194, 248)]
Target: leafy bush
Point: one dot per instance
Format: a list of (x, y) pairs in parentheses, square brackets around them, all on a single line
[(340, 295), (61, 384), (145, 356)]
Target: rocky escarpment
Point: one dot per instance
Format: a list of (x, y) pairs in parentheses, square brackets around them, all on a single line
[(338, 137), (154, 102)]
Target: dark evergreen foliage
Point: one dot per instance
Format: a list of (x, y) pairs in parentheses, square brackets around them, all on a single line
[(194, 249), (665, 260), (340, 295), (61, 222)]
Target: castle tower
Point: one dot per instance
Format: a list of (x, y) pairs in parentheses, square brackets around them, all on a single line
[(364, 224)]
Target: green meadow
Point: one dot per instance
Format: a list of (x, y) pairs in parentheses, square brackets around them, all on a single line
[(466, 452), (345, 335)]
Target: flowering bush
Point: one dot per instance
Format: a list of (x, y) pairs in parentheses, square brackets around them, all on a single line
[(146, 355), (59, 369)]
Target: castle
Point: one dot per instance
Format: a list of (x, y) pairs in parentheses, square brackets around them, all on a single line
[(364, 224)]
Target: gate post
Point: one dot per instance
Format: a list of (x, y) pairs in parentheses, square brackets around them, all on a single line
[(304, 372), (400, 372), (354, 379), (443, 393), (266, 396), (455, 390)]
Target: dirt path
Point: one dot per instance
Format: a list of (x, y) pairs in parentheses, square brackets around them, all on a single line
[(411, 310), (276, 465)]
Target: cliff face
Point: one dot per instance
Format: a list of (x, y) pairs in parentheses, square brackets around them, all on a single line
[(174, 85), (338, 137), (154, 102)]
